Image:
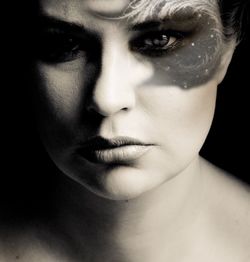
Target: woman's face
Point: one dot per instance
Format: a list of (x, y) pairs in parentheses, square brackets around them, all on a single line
[(125, 104)]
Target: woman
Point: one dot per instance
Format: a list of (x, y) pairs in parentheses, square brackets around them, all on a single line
[(125, 96)]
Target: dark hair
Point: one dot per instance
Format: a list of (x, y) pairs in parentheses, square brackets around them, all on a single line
[(235, 17)]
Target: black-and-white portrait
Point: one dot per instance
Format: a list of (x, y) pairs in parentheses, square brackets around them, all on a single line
[(125, 131)]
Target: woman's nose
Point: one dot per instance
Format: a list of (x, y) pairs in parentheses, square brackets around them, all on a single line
[(114, 90)]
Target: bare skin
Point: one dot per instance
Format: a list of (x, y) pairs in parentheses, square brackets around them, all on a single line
[(217, 228)]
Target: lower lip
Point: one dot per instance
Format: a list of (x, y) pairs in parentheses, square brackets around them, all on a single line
[(118, 155)]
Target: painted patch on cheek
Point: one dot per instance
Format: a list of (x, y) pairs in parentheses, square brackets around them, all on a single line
[(194, 62)]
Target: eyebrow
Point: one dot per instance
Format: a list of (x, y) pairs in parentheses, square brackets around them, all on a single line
[(45, 20), (153, 22), (182, 16), (145, 25)]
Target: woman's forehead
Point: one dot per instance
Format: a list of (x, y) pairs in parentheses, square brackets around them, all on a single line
[(138, 9), (107, 7)]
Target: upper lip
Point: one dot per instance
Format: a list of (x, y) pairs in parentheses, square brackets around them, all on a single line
[(100, 143)]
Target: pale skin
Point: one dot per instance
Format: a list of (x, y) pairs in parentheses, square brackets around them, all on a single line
[(169, 204)]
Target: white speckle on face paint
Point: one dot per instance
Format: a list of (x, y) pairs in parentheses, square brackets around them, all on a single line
[(206, 71), (185, 86), (212, 36), (156, 42), (199, 56), (199, 15), (193, 44)]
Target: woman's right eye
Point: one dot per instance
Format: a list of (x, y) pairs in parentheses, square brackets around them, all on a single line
[(59, 47)]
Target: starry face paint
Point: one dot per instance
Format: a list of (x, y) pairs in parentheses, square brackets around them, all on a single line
[(185, 53)]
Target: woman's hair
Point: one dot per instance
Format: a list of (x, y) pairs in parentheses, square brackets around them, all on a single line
[(234, 16), (233, 13)]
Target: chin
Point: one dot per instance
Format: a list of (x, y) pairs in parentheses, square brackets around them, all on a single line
[(121, 183)]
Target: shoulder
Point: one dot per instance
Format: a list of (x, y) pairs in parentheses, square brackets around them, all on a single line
[(23, 245), (228, 211), (15, 245)]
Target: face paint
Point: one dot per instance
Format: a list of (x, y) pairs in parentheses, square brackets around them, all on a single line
[(194, 60)]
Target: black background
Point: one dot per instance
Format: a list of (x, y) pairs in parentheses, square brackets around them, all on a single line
[(228, 142)]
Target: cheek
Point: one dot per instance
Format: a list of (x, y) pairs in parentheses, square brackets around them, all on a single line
[(57, 99), (59, 92), (182, 118), (194, 62)]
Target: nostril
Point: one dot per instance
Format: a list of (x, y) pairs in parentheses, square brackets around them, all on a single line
[(94, 114), (92, 109), (97, 111)]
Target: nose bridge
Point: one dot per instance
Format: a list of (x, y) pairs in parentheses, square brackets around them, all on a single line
[(112, 62), (113, 90)]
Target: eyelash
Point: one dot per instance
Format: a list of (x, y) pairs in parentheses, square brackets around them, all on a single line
[(157, 43), (60, 47)]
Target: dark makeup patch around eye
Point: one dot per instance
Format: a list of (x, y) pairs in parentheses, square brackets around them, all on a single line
[(195, 61)]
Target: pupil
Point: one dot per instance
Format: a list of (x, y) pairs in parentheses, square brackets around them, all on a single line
[(161, 40), (164, 40)]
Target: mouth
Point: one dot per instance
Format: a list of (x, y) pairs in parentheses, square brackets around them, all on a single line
[(119, 150)]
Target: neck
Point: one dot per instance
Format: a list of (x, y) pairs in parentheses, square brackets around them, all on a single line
[(161, 219)]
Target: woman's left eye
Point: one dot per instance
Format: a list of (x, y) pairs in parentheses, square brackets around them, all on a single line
[(156, 43), (59, 48)]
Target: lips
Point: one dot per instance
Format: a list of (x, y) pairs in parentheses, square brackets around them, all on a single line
[(119, 150)]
